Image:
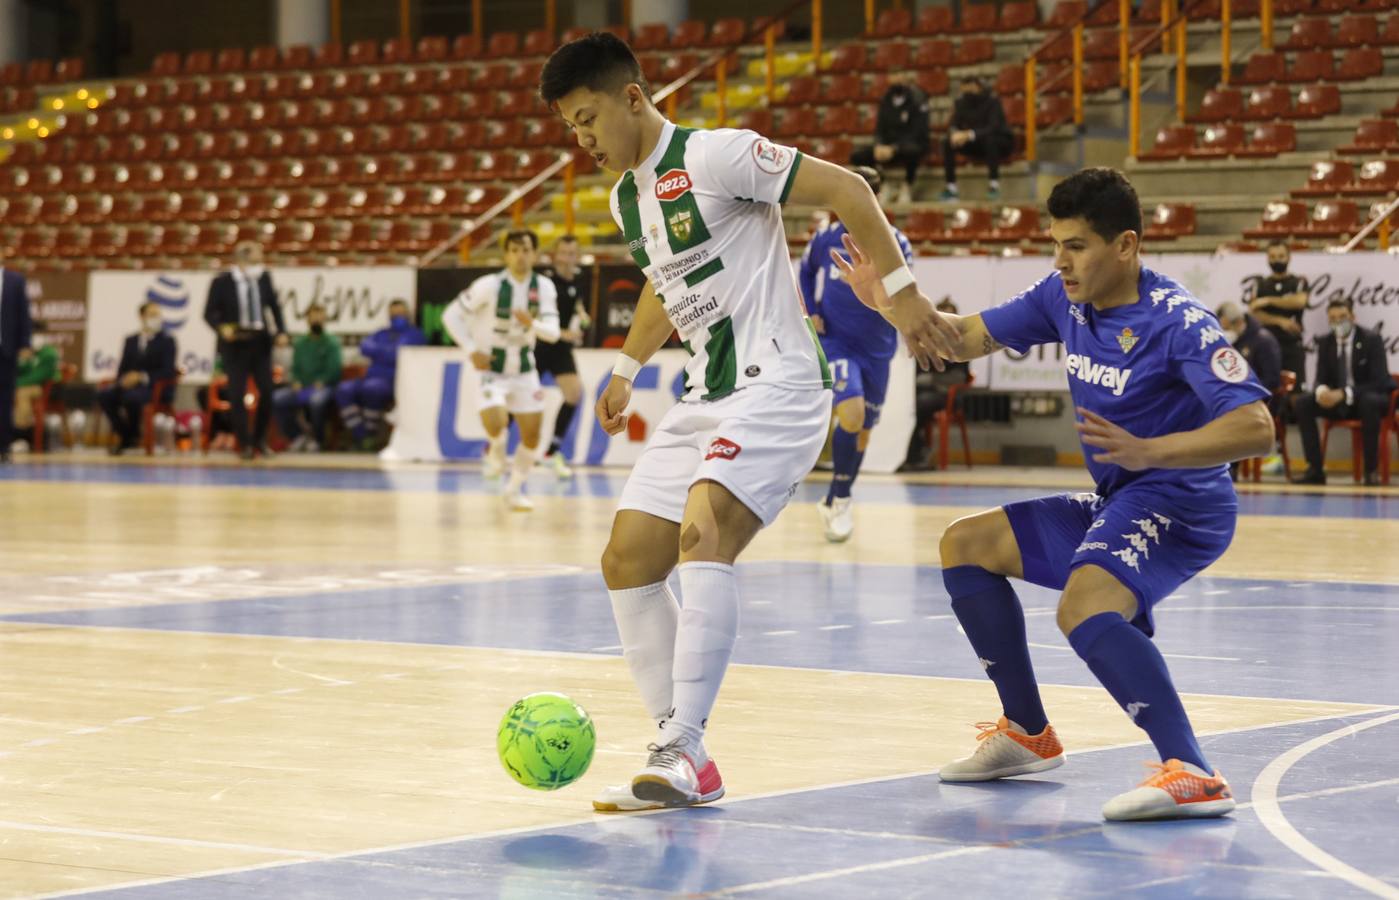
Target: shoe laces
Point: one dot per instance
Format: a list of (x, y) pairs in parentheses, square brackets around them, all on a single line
[(1161, 772), (670, 755), (989, 730)]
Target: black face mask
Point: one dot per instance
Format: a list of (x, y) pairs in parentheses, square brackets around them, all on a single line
[(1278, 267), (318, 329)]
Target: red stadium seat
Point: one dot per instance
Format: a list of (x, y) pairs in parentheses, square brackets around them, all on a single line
[(1378, 176), (1326, 179), (231, 59), (538, 43), (1358, 30), (837, 120), (932, 53), (1065, 12), (263, 59), (891, 55), (934, 20), (1017, 15), (842, 89), (329, 55), (397, 52), (974, 50), (1309, 33), (651, 36), (1270, 139), (1374, 136), (163, 64), (801, 90), (1263, 103), (1389, 36), (503, 44), (1311, 65), (1284, 217), (1219, 140), (847, 58), (1100, 43), (794, 121), (1334, 218), (968, 224), (892, 23), (933, 82), (1360, 63), (1262, 68), (1016, 223), (924, 225), (1220, 104), (1171, 220), (1315, 101), (296, 57), (466, 47), (689, 34), (432, 49), (978, 17)]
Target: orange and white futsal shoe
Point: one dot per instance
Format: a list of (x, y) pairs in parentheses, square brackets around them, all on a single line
[(1005, 749), (1174, 790)]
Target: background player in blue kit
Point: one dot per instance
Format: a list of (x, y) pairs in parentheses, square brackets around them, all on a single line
[(1164, 404), (858, 344)]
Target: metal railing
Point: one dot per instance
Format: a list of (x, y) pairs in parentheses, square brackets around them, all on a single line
[(1381, 223)]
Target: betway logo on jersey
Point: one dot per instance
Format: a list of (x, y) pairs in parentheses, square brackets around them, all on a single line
[(1110, 377), (673, 185)]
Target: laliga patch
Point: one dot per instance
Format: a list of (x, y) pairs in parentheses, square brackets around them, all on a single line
[(673, 185), (1228, 365), (722, 448), (771, 158)]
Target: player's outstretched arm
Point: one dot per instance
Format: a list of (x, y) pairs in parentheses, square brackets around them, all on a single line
[(650, 329), (929, 335), (1242, 432)]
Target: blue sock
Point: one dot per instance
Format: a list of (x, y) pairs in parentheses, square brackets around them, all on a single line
[(990, 614), (1132, 669), (845, 460)]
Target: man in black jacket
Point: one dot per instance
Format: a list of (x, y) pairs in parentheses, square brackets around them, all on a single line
[(147, 357), (978, 130), (1279, 300), (239, 301), (900, 133), (14, 348), (1352, 382)]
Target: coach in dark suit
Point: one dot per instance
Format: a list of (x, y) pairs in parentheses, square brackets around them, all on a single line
[(14, 347), (147, 357), (1352, 382), (239, 301)]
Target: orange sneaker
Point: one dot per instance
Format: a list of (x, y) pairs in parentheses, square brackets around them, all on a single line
[(1005, 749), (1175, 790)]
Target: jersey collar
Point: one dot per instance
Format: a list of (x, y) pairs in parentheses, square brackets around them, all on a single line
[(648, 165)]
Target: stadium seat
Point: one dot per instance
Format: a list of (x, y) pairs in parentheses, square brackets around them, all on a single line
[(1358, 30), (231, 59), (1373, 136), (1018, 14), (933, 82), (891, 55), (296, 57), (1224, 139), (502, 45), (1065, 13), (466, 47), (1315, 101), (1309, 33), (164, 64), (842, 89), (759, 120), (794, 121), (1389, 35), (1270, 139), (1337, 6), (1359, 64), (1010, 81), (1334, 218), (934, 20), (651, 36), (1220, 104), (1016, 223), (1327, 179), (967, 225), (1378, 176), (974, 50), (847, 58), (801, 90), (836, 120), (432, 49), (1311, 65), (892, 23), (1283, 217), (689, 35), (1057, 49), (1171, 220), (397, 52), (70, 69), (1262, 68), (1100, 43), (932, 53), (977, 18), (1273, 102), (1172, 142), (538, 43)]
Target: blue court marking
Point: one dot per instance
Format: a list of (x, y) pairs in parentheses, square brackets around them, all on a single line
[(902, 837), (460, 479), (1225, 636)]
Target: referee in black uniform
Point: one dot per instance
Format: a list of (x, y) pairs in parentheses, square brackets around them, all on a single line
[(575, 290), (1279, 300)]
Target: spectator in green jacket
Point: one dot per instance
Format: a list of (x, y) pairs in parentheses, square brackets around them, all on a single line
[(315, 370), (30, 378)]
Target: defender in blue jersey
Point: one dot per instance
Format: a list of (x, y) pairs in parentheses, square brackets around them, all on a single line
[(858, 344), (1164, 404)]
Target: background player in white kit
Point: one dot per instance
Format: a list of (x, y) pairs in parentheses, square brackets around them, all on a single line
[(700, 213), (497, 320)]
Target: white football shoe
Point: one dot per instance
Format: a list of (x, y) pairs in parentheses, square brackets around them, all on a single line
[(671, 779), (838, 518), (493, 463), (514, 495), (560, 466)]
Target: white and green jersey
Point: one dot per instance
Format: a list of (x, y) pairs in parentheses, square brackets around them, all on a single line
[(482, 318), (701, 218)]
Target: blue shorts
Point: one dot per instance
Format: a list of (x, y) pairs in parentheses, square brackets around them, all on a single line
[(857, 375), (1150, 544)]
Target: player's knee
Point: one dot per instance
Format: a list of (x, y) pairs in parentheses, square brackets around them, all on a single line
[(981, 540), (620, 569), (1090, 592), (851, 414)]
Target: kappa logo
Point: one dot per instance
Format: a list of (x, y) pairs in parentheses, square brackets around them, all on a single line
[(1129, 557), (1077, 314), (673, 185), (722, 448), (1134, 708), (1091, 545), (1228, 365), (986, 664), (1110, 377)]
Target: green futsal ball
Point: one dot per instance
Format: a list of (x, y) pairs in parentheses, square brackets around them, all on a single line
[(546, 741)]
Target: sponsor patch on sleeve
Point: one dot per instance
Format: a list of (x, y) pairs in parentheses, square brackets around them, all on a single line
[(772, 158), (1229, 365)]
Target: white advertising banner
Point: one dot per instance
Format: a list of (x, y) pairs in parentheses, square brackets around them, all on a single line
[(441, 421), (356, 300)]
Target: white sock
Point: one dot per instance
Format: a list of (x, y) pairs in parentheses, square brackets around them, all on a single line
[(703, 645), (524, 461), (647, 617), (495, 446)]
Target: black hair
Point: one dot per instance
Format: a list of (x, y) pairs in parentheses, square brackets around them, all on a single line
[(600, 62), (142, 311), (1279, 242), (519, 234), (1102, 197), (567, 239), (871, 176), (1341, 303)]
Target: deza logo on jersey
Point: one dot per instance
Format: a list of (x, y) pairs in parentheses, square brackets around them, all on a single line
[(1110, 377), (673, 185)]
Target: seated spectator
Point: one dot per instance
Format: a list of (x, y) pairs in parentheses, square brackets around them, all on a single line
[(309, 384), (1352, 382), (1255, 343), (930, 396), (147, 357), (31, 375), (900, 134), (362, 402), (978, 130)]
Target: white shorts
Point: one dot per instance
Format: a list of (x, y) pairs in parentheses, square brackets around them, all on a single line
[(519, 394), (758, 442)]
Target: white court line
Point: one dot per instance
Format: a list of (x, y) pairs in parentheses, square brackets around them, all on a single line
[(852, 870), (1265, 805), (181, 710), (887, 622), (158, 839), (1214, 593), (781, 633), (132, 720), (606, 649), (834, 627), (1171, 655)]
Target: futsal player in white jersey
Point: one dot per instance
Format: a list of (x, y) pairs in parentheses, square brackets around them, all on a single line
[(700, 211), (497, 321)]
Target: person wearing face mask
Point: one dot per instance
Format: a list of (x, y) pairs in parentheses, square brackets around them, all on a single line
[(1352, 382), (900, 134), (240, 300), (1254, 343), (363, 402), (1279, 300), (147, 357), (312, 373), (978, 130)]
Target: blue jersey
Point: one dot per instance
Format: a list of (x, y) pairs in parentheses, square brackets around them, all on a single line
[(826, 294), (1156, 367)]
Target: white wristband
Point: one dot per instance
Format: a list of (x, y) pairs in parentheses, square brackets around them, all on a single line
[(625, 367), (897, 280)]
